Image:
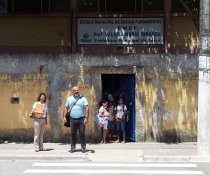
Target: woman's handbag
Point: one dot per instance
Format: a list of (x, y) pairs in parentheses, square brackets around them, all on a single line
[(67, 123), (31, 115)]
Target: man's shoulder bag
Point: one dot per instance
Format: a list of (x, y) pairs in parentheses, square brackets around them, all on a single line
[(67, 123)]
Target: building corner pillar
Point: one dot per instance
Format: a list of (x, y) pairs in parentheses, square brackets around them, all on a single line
[(203, 134)]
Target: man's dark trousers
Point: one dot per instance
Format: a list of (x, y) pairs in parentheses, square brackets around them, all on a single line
[(77, 124)]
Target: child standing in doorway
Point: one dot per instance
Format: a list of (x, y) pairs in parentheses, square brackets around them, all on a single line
[(121, 117), (111, 122), (103, 120)]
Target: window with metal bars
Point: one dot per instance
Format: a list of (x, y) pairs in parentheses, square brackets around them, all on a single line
[(34, 6), (120, 6)]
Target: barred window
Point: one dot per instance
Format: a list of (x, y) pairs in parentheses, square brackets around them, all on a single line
[(120, 6), (87, 5), (185, 6), (34, 6)]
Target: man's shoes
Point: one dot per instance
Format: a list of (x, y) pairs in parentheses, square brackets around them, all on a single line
[(83, 150), (72, 150)]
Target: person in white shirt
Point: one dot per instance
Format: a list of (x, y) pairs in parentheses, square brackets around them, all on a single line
[(121, 117), (39, 111), (103, 117)]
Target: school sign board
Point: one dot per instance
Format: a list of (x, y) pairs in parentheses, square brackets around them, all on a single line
[(120, 31)]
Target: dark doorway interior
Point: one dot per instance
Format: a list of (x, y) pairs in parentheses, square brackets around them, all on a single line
[(122, 85)]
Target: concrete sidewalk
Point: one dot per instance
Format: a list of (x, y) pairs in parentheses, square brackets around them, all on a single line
[(112, 152)]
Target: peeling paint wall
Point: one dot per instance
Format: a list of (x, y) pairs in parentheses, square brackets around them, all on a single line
[(14, 117), (170, 99), (171, 107), (165, 100)]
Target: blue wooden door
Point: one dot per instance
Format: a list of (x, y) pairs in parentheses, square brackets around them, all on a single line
[(123, 85)]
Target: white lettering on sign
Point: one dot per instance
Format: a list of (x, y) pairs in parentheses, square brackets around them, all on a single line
[(127, 31)]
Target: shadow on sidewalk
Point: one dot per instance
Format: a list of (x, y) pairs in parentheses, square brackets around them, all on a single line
[(47, 149), (87, 150), (90, 150)]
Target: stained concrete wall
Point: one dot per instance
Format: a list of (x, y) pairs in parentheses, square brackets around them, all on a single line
[(166, 93)]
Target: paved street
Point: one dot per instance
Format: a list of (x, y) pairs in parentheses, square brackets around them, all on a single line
[(25, 167)]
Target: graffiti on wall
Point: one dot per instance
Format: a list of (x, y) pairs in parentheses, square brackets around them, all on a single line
[(204, 68), (205, 42)]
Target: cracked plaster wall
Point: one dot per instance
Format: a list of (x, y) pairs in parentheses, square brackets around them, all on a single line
[(166, 93)]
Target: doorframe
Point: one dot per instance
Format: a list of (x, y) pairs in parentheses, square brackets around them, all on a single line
[(138, 72)]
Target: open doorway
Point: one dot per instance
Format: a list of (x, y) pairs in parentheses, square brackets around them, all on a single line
[(122, 85)]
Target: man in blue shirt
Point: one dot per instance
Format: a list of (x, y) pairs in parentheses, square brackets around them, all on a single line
[(79, 113)]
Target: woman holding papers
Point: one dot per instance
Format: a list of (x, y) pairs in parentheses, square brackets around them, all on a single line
[(39, 111)]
